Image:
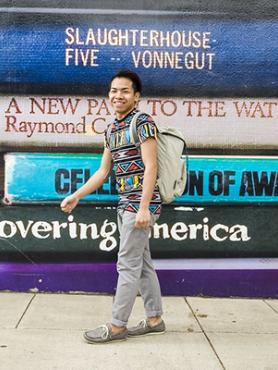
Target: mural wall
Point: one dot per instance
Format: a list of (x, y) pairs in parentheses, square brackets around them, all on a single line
[(208, 70)]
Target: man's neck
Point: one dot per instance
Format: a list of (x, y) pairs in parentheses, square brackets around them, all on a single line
[(120, 116)]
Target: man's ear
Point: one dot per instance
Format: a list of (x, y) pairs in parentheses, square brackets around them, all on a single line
[(137, 97)]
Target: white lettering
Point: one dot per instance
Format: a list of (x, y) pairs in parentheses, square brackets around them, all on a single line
[(172, 60), (193, 230), (41, 227), (179, 228), (165, 231), (72, 228), (239, 232), (22, 229), (85, 227), (179, 231), (137, 37), (108, 243), (214, 229), (57, 229), (205, 229), (9, 233)]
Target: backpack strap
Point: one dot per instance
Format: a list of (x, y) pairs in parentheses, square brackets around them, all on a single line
[(134, 139), (132, 130)]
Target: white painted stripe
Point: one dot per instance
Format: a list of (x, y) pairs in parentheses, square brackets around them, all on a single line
[(189, 209), (217, 264), (200, 132), (105, 11)]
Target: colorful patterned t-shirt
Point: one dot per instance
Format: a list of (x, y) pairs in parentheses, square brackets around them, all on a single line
[(128, 164)]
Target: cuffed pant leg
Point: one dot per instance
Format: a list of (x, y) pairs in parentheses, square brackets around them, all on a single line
[(129, 266)]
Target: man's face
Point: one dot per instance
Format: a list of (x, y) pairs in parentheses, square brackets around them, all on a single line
[(122, 96)]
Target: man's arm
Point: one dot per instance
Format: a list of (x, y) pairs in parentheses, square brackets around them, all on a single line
[(149, 157), (94, 182), (98, 178)]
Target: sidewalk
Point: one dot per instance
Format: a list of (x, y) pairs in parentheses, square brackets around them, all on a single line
[(44, 332)]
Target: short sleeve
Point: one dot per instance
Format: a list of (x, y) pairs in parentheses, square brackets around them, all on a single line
[(146, 128)]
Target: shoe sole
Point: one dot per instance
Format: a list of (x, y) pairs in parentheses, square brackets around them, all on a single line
[(144, 335), (107, 342)]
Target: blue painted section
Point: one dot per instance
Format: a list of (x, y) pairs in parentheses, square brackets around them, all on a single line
[(244, 60), (231, 179), (51, 177), (32, 177)]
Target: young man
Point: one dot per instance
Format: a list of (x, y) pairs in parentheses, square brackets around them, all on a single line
[(135, 167)]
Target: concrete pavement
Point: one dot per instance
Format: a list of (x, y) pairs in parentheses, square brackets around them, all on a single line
[(44, 332)]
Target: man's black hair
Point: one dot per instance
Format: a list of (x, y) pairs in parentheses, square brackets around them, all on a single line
[(132, 76)]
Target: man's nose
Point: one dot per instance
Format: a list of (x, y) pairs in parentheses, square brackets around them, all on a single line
[(118, 94)]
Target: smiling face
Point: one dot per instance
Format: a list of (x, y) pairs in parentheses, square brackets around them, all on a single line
[(122, 96)]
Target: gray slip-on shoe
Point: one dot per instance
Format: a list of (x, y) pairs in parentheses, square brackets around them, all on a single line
[(143, 328), (104, 334)]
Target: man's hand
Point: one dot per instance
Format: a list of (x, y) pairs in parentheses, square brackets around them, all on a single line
[(69, 203), (143, 218)]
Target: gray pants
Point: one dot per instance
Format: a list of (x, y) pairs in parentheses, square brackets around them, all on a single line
[(136, 271)]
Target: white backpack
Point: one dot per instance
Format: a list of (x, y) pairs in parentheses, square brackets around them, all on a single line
[(171, 179)]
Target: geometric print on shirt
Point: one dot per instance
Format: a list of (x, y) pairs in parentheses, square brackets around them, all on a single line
[(128, 165)]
